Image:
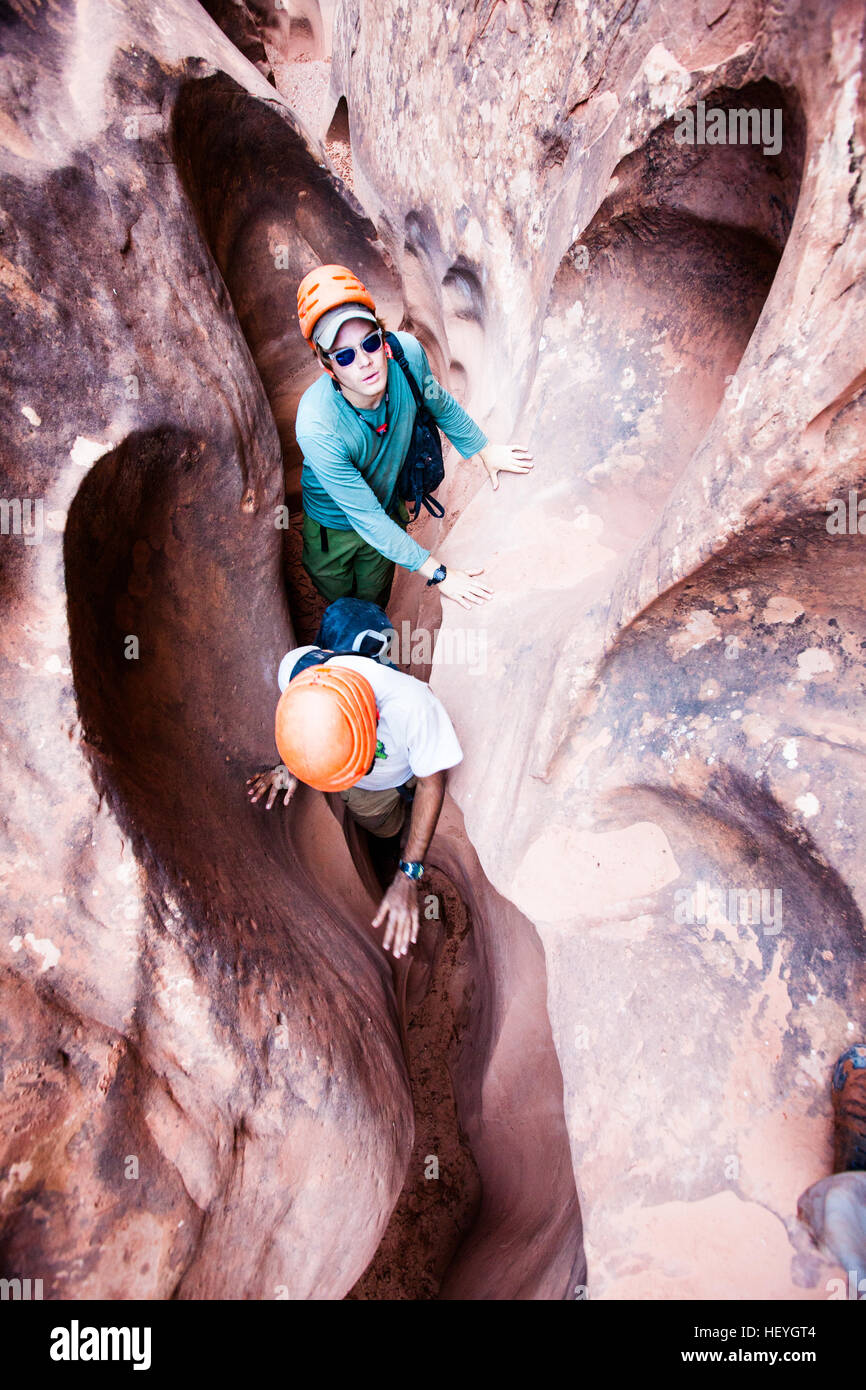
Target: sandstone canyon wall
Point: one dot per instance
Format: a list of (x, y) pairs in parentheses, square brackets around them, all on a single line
[(206, 1086)]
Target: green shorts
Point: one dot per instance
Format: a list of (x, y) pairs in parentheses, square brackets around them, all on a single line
[(343, 565)]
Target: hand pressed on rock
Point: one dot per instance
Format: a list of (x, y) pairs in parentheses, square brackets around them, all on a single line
[(464, 588), (276, 779), (399, 912), (505, 458)]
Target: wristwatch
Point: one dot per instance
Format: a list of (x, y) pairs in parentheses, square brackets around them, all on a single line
[(412, 868), (438, 575)]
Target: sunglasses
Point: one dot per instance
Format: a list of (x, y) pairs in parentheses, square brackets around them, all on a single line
[(344, 357)]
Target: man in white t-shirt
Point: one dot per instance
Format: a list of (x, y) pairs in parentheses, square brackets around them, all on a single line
[(415, 746)]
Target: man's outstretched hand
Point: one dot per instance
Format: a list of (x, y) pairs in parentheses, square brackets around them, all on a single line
[(399, 912), (505, 458), (465, 589), (277, 779)]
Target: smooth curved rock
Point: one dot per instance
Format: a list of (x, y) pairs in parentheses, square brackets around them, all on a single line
[(674, 651), (204, 1087), (655, 828)]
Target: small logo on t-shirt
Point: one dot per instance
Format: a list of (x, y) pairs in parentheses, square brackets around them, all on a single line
[(380, 749)]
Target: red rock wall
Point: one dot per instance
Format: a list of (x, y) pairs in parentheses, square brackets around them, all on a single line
[(205, 1095), (674, 652), (673, 656), (205, 1090)]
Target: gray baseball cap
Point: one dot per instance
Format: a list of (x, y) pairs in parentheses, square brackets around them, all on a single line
[(330, 323)]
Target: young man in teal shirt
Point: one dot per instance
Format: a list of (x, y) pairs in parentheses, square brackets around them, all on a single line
[(355, 439)]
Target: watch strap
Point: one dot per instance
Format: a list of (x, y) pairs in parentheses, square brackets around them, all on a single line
[(412, 868)]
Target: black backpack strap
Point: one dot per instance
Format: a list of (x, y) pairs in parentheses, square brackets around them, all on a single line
[(424, 421), (320, 655), (315, 658), (400, 357)]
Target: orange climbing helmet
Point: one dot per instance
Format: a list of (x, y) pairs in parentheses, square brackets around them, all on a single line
[(326, 727), (329, 287)]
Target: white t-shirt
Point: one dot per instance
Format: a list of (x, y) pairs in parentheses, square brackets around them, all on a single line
[(415, 735)]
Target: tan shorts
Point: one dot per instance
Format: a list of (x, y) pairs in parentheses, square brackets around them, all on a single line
[(381, 813)]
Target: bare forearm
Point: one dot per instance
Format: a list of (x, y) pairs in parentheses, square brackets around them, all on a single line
[(398, 910), (429, 566), (429, 795)]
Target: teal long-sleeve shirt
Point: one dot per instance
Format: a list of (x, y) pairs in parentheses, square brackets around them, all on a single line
[(350, 472)]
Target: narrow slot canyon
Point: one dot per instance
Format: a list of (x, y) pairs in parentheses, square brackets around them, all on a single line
[(603, 1073), (288, 207), (269, 213)]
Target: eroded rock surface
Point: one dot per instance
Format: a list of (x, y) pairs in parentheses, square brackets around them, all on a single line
[(200, 1048), (694, 634), (205, 1089), (204, 1081)]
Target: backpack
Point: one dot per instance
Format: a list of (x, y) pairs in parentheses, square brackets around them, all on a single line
[(350, 627), (423, 469)]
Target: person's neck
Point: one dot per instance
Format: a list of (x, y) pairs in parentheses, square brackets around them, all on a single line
[(364, 402)]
